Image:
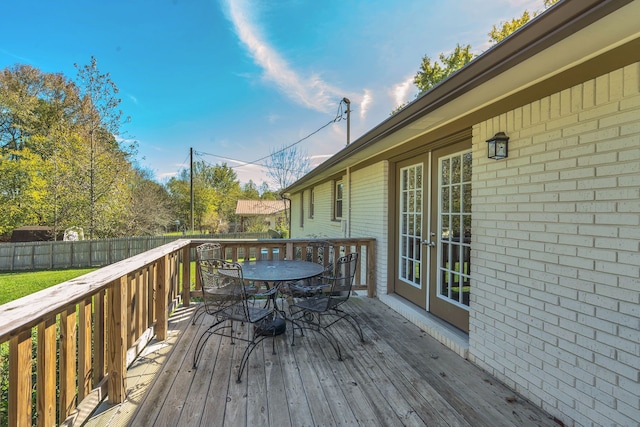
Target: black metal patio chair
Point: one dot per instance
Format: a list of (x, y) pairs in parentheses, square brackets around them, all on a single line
[(206, 251), (319, 312), (318, 252), (235, 304)]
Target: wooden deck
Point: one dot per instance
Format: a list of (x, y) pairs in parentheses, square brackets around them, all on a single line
[(399, 377)]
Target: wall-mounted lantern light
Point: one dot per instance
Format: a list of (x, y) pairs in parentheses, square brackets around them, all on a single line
[(498, 147)]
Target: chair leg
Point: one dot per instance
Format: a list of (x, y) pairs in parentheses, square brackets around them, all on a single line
[(351, 319), (196, 314), (201, 343), (313, 322), (273, 344), (245, 356), (293, 329)]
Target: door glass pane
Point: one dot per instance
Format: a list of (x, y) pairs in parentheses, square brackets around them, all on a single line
[(410, 262), (444, 173), (446, 199), (455, 198), (454, 262), (466, 198), (466, 167), (467, 228), (455, 227), (445, 230), (456, 164)]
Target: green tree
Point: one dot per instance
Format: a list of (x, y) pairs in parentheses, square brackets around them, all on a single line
[(60, 159), (21, 189), (36, 111), (505, 29), (179, 191), (224, 181), (20, 87), (433, 72), (267, 194), (215, 189), (250, 191), (100, 120), (149, 209)]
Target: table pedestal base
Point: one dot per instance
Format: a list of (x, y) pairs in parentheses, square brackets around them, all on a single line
[(271, 327)]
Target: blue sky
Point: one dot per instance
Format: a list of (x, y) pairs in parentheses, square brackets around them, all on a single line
[(237, 79)]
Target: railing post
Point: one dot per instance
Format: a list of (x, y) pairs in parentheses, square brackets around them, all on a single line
[(20, 379), (131, 309), (162, 309), (186, 275), (46, 372), (289, 250), (371, 269), (98, 337), (117, 340), (67, 362), (84, 348)]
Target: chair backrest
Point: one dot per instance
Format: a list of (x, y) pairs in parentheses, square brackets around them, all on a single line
[(319, 251), (232, 273), (209, 251), (219, 290), (204, 252), (344, 275)]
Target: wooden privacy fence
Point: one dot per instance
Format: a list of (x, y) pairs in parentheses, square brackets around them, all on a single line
[(98, 324), (29, 256)]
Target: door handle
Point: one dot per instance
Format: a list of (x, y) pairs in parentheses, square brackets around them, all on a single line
[(429, 243)]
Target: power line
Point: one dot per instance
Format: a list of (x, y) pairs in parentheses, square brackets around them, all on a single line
[(243, 163), (340, 115), (235, 160)]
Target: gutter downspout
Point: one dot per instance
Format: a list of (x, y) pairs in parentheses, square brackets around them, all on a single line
[(348, 228), (287, 211)]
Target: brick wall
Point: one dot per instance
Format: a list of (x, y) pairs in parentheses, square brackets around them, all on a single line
[(555, 307)]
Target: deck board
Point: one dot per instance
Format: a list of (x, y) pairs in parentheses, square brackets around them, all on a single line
[(399, 376)]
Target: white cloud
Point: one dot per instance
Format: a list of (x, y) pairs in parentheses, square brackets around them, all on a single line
[(165, 175), (273, 118), (367, 99), (400, 91), (310, 91)]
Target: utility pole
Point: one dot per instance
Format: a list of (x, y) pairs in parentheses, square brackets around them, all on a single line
[(348, 103), (191, 183)]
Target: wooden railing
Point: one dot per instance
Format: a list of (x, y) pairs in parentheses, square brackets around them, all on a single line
[(99, 323)]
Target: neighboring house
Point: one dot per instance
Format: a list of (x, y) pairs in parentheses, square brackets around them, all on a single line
[(32, 233), (270, 213), (534, 258)]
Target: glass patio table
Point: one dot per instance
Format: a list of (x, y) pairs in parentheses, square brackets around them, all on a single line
[(275, 271)]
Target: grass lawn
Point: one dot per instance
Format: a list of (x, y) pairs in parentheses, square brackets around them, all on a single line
[(17, 285)]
